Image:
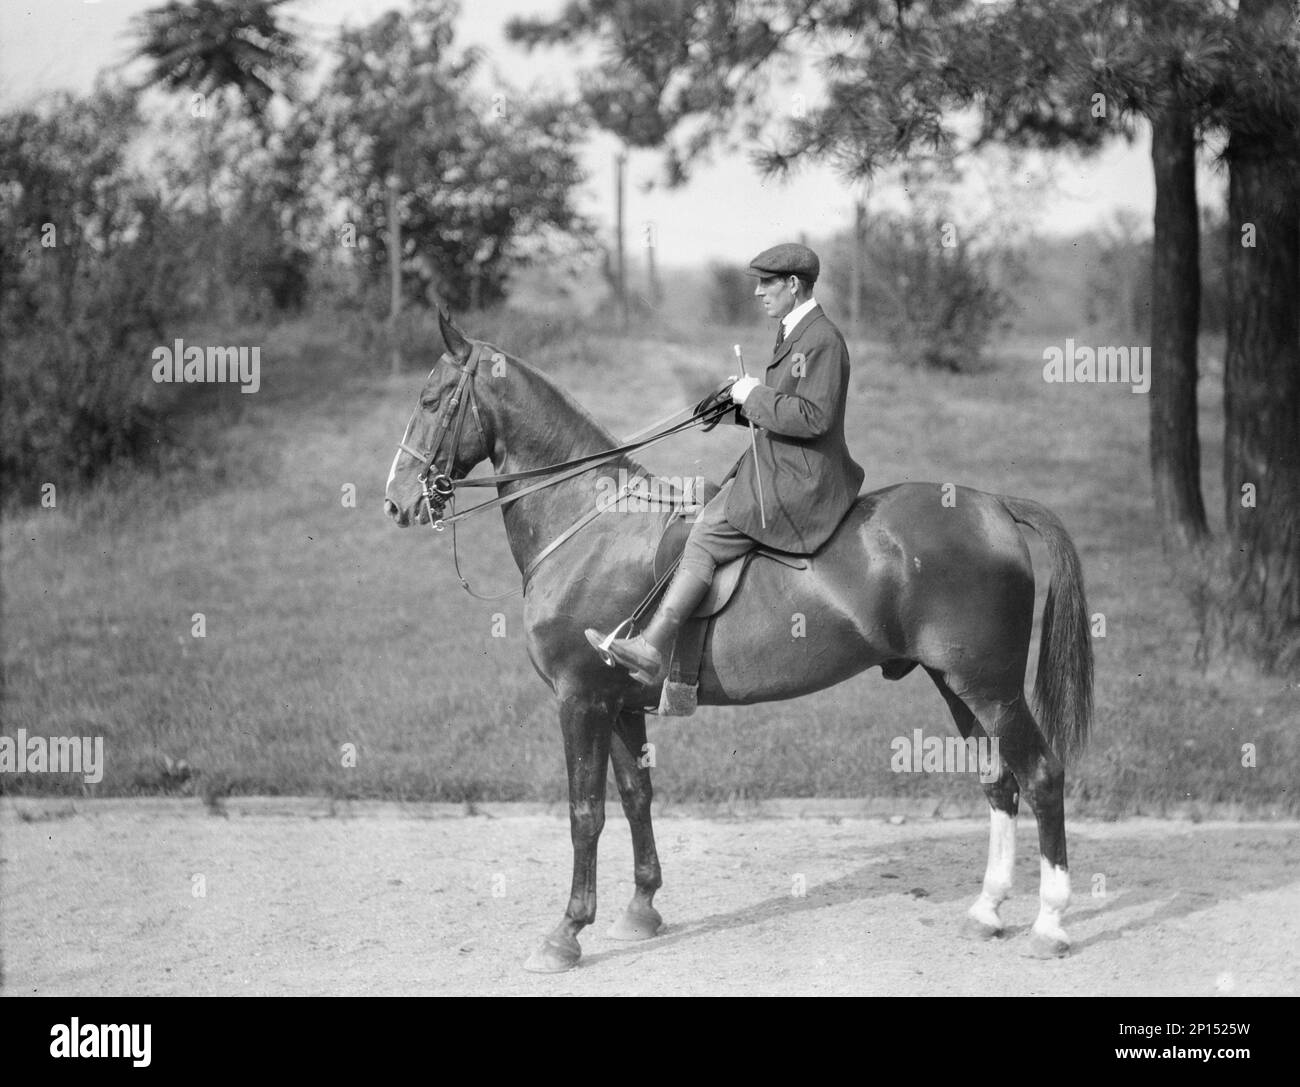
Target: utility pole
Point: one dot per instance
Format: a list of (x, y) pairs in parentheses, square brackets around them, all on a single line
[(652, 272), (620, 166), (394, 272)]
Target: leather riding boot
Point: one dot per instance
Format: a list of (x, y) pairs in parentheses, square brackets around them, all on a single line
[(646, 655)]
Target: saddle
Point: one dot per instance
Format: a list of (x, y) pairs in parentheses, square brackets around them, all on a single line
[(677, 695)]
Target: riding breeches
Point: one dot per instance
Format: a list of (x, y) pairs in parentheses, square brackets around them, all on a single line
[(713, 539)]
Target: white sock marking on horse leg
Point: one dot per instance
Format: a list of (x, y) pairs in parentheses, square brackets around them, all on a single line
[(998, 873), (1054, 897)]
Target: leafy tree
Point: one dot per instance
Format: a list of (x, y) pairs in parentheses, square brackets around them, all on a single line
[(1050, 74), (231, 52), (91, 274), (252, 204), (1118, 291), (937, 304), (215, 46), (730, 294), (635, 92), (671, 65), (486, 182)]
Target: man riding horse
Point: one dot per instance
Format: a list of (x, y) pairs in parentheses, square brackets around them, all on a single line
[(803, 482)]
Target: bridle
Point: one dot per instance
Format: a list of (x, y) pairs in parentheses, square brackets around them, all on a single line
[(438, 486)]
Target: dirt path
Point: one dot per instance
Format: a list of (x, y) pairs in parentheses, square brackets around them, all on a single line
[(106, 900)]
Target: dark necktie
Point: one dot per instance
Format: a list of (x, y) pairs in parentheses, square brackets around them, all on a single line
[(780, 335)]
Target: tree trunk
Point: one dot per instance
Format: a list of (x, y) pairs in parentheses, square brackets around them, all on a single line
[(856, 266), (1261, 448), (394, 274), (1175, 317)]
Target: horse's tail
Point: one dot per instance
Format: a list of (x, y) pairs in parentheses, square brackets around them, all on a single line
[(1063, 686)]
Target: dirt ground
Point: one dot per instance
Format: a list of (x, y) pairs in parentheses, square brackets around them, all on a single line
[(287, 897)]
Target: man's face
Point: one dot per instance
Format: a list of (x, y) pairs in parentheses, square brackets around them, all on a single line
[(778, 295)]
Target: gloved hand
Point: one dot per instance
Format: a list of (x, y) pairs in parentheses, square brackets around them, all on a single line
[(742, 388), (716, 399)]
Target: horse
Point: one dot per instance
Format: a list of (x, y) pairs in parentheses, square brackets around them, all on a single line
[(916, 574)]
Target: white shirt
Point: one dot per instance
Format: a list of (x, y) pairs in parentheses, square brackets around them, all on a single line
[(787, 324), (795, 316)]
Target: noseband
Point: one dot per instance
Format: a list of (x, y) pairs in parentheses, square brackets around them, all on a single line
[(437, 483)]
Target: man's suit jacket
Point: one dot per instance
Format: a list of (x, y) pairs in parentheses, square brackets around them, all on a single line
[(809, 478)]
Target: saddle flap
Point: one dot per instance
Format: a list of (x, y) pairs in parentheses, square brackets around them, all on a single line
[(675, 696), (723, 587), (726, 579)]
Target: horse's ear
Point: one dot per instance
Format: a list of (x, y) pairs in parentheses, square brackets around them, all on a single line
[(455, 340)]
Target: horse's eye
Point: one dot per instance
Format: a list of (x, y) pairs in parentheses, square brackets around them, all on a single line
[(428, 403)]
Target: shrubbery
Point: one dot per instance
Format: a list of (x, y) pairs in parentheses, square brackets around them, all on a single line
[(91, 277), (936, 304), (731, 294), (246, 215)]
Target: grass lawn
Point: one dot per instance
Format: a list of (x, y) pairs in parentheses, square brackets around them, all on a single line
[(327, 626)]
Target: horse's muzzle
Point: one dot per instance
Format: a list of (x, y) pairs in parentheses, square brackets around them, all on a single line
[(399, 516)]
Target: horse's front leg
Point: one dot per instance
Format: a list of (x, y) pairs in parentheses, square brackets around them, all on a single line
[(632, 761), (586, 721)]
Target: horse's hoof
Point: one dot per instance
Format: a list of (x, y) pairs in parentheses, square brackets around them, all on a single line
[(554, 956), (637, 925), (974, 929), (1042, 946)]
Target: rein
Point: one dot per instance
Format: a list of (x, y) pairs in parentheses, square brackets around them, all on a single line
[(439, 488)]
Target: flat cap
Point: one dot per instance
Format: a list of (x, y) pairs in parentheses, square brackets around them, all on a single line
[(788, 259)]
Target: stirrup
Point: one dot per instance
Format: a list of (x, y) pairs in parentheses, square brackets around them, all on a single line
[(602, 645)]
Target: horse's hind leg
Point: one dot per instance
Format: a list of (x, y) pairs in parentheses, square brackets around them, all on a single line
[(1022, 747), (586, 722), (640, 920), (983, 919)]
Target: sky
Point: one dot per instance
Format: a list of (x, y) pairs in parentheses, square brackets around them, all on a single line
[(727, 212)]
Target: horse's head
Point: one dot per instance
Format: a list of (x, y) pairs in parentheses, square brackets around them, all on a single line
[(445, 438)]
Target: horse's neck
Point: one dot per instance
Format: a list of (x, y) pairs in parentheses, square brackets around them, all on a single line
[(541, 425)]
